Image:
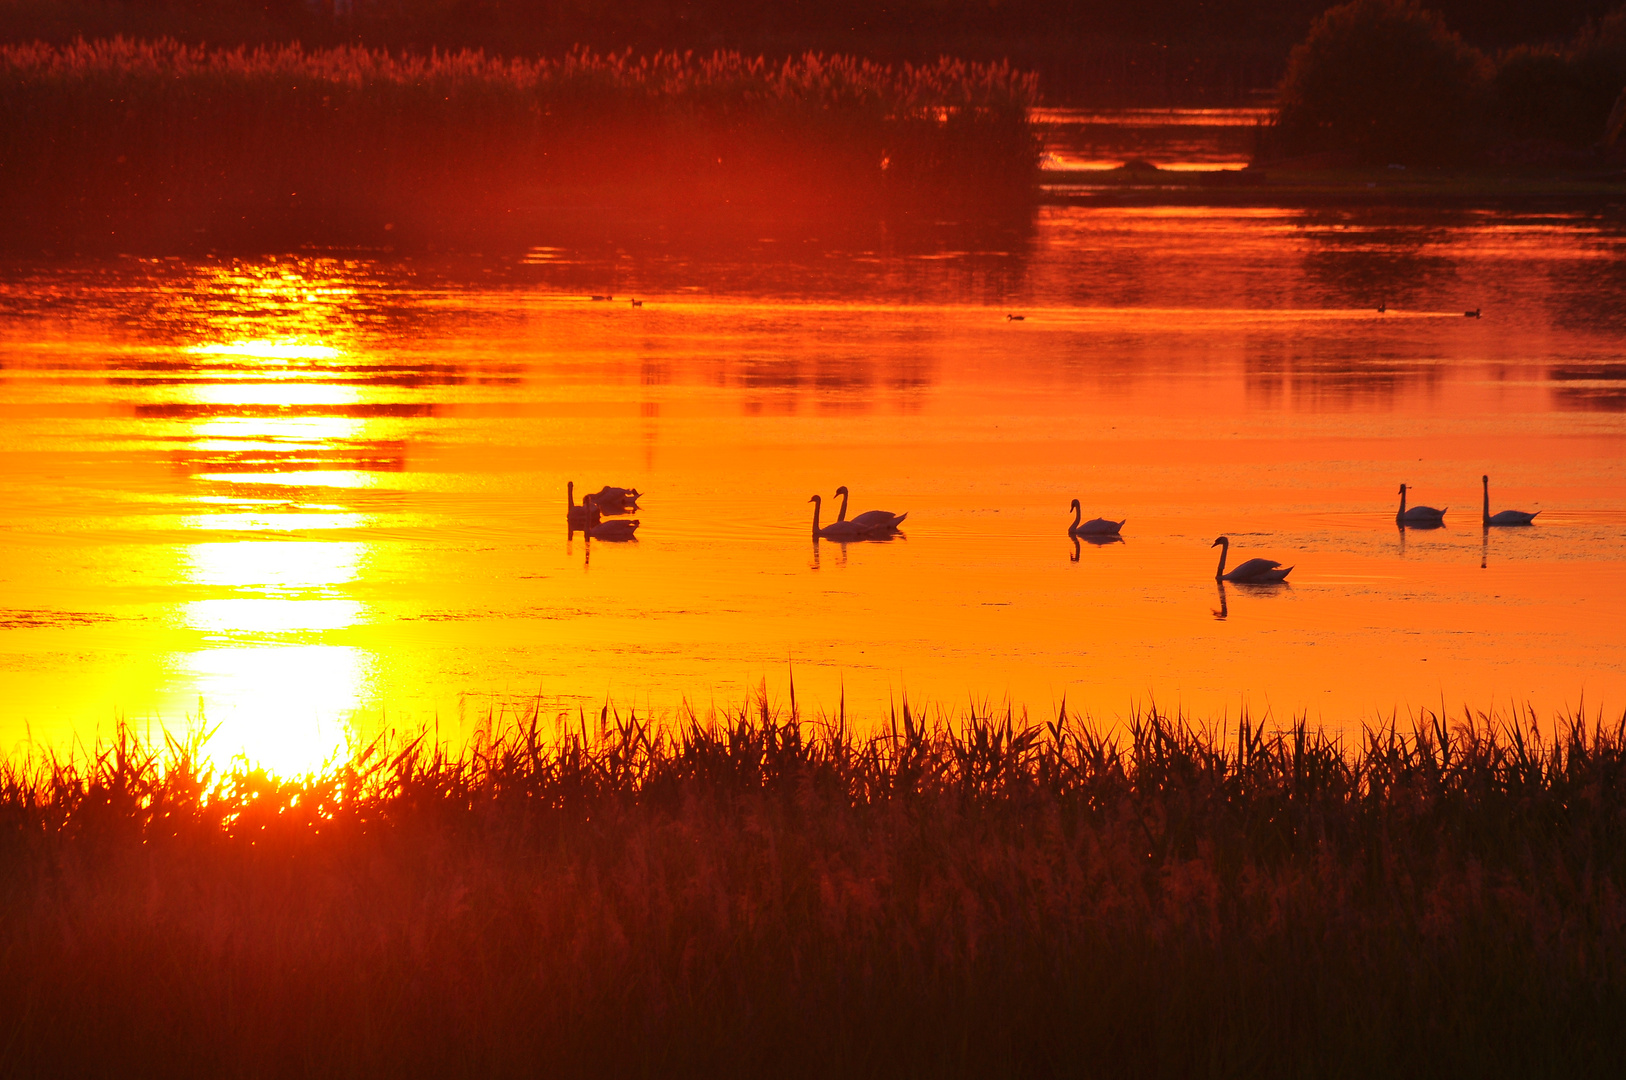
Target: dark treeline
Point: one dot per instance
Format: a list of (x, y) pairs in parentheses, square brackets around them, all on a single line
[(1094, 50)]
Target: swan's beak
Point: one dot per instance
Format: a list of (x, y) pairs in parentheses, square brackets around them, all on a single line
[(1216, 543)]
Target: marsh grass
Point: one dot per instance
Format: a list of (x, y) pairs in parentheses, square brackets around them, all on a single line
[(129, 144), (754, 893)]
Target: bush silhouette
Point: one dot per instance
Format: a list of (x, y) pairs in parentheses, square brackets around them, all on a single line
[(1562, 94), (1383, 81)]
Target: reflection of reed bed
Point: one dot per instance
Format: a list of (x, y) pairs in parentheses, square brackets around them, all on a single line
[(119, 142), (750, 895)]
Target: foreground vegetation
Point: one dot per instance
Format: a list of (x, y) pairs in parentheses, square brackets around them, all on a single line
[(753, 894), (125, 145)]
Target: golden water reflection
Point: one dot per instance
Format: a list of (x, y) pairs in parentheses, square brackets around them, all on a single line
[(324, 496)]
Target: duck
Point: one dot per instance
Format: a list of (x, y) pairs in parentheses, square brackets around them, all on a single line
[(1252, 572), (1383, 305), (1503, 517), (1474, 314), (1094, 526), (1016, 318), (637, 303), (871, 520), (1424, 517)]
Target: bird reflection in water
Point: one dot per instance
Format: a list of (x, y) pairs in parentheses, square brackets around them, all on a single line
[(1093, 541), (1222, 611)]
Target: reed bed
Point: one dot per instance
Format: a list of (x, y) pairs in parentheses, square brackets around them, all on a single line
[(751, 893), (121, 142)]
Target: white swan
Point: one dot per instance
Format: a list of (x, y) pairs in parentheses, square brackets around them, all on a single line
[(1092, 527), (1252, 572), (870, 520), (1423, 517), (1503, 517)]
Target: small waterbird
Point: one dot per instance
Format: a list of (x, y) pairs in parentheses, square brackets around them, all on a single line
[(872, 520), (1418, 517), (637, 303), (1252, 572), (1474, 314), (1503, 517), (1016, 318), (1092, 527), (1383, 305), (595, 296)]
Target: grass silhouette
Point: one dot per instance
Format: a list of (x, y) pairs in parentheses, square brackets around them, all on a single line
[(751, 893)]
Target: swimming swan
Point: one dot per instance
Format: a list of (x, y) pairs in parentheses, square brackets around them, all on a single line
[(579, 517), (599, 529), (1094, 526), (869, 519), (1503, 517), (843, 530), (1420, 516), (1252, 572), (615, 500)]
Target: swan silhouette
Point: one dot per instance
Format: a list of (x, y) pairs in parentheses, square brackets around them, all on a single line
[(1418, 517), (870, 520), (1252, 572), (615, 500), (579, 517), (1503, 517), (842, 530), (599, 529), (1092, 527)]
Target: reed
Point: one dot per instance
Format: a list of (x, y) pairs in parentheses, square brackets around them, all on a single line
[(124, 143), (759, 893)]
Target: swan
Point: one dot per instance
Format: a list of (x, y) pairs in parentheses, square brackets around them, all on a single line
[(840, 530), (1418, 516), (1503, 517), (597, 528), (581, 516), (872, 520), (1094, 526), (615, 500), (1015, 318), (1252, 572)]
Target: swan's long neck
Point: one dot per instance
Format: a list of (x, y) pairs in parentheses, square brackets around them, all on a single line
[(843, 515), (1485, 514), (570, 495), (1078, 516), (1225, 549), (1402, 511), (816, 505)]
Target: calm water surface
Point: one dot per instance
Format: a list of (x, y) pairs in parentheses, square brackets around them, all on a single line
[(311, 496)]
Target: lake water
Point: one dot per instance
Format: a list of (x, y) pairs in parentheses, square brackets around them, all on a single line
[(315, 495)]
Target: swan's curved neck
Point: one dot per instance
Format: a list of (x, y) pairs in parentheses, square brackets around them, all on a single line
[(1225, 549), (570, 494), (1485, 514), (815, 519), (1078, 515), (843, 515), (1402, 512)]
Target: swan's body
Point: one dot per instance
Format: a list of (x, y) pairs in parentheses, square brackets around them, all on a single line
[(615, 500), (1252, 572), (1503, 517), (599, 529), (581, 516), (1094, 526), (1425, 517), (869, 520), (843, 530)]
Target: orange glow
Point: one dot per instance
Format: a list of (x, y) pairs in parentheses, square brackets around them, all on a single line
[(347, 513)]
